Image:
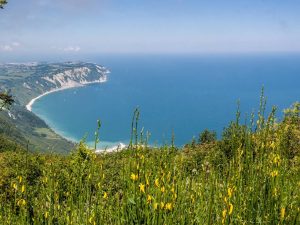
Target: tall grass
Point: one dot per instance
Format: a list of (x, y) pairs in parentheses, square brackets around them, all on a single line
[(250, 176)]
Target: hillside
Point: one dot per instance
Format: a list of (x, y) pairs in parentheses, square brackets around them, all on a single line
[(250, 176), (26, 81)]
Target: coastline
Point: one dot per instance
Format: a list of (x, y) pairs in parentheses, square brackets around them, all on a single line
[(31, 102), (114, 148), (118, 147), (69, 86)]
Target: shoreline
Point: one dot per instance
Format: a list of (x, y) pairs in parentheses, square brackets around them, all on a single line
[(72, 85), (32, 101), (118, 147)]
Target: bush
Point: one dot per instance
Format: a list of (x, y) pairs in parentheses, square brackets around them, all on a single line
[(207, 136)]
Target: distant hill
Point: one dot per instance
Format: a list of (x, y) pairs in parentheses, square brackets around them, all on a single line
[(26, 81)]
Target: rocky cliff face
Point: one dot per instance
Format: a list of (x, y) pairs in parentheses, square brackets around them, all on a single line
[(66, 76)]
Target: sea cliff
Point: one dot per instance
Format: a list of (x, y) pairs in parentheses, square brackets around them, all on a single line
[(30, 81)]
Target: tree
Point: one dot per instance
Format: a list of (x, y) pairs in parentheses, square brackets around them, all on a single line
[(6, 100), (2, 3), (207, 136)]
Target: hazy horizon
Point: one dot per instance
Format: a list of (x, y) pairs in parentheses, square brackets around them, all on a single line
[(70, 29)]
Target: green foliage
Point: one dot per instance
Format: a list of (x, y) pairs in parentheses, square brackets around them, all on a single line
[(6, 100), (23, 127), (2, 3), (250, 176), (8, 145), (207, 136), (289, 134), (293, 114)]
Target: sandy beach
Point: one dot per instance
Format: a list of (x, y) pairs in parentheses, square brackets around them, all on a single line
[(29, 105), (71, 85)]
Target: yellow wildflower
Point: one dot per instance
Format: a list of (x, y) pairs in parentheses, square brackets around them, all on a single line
[(20, 179), (282, 213), (172, 190), (224, 213), (15, 186), (149, 199), (147, 181), (142, 187), (134, 177), (230, 209), (229, 192), (155, 205), (105, 195), (276, 160), (23, 188), (168, 206), (162, 205), (21, 202), (162, 189), (272, 145), (225, 199), (46, 215), (169, 175), (175, 196), (274, 173), (193, 199), (156, 182)]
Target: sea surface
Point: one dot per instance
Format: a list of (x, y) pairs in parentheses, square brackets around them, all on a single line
[(180, 94)]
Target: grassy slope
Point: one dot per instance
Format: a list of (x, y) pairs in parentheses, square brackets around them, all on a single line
[(29, 129), (6, 144), (250, 176)]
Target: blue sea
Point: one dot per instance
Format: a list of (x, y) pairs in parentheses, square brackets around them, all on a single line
[(180, 94)]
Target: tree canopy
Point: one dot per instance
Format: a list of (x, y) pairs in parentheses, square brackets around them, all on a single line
[(2, 3), (5, 100)]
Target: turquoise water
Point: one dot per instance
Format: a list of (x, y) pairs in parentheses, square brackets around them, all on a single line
[(180, 94)]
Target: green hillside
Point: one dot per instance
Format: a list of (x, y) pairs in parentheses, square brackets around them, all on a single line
[(26, 81), (250, 176)]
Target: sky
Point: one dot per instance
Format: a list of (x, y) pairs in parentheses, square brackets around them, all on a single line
[(73, 27)]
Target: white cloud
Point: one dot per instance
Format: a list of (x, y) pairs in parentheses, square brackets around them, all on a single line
[(67, 49), (72, 49), (6, 48), (15, 44), (9, 47)]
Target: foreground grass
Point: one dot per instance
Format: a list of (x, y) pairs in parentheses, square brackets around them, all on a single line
[(250, 176)]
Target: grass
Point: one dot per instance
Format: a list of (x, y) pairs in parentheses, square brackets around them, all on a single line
[(250, 176), (45, 132)]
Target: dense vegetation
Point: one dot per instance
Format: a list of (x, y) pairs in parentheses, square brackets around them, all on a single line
[(250, 176), (2, 3)]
